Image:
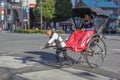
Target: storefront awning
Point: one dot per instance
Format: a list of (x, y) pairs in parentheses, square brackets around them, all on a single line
[(101, 4)]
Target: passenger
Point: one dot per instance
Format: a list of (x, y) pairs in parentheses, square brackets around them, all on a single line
[(87, 24), (80, 38)]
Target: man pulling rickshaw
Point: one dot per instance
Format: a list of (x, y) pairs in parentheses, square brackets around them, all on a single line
[(87, 38)]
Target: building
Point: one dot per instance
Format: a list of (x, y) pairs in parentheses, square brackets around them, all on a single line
[(118, 3), (27, 5), (15, 12), (107, 5), (12, 13)]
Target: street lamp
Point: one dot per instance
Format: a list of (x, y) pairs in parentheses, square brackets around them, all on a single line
[(41, 13)]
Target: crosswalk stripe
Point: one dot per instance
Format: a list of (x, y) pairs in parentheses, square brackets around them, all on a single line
[(62, 74)]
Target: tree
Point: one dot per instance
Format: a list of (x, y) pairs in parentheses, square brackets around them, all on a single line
[(54, 10), (48, 10), (62, 10)]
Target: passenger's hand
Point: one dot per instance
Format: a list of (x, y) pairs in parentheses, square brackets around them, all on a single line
[(82, 29)]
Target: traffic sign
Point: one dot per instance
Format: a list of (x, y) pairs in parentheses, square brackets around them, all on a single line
[(2, 4), (27, 8), (2, 17), (2, 13), (2, 8), (10, 17)]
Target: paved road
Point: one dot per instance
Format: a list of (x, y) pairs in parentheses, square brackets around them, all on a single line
[(21, 59)]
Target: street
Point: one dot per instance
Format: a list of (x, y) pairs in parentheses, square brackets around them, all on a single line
[(22, 59)]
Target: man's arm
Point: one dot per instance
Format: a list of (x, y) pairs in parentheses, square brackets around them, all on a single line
[(51, 40), (47, 45)]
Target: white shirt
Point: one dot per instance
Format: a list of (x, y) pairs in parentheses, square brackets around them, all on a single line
[(54, 37)]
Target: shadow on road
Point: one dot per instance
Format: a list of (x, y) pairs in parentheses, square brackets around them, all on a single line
[(45, 58), (48, 59), (43, 55)]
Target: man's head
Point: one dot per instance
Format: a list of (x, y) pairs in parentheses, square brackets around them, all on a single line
[(49, 32)]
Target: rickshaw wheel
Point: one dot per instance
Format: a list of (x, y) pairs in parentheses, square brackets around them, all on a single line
[(95, 52)]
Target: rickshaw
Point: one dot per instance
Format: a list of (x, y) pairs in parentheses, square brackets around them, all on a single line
[(95, 42)]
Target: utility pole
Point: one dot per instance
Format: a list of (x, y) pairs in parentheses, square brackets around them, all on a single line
[(41, 13), (28, 15), (27, 9)]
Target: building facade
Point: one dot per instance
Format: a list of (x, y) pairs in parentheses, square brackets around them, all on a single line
[(15, 12), (108, 5), (118, 3)]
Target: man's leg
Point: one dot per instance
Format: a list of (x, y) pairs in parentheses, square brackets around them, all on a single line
[(57, 56), (65, 54), (66, 57)]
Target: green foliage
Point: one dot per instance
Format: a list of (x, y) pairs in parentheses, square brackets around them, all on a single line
[(37, 31), (59, 31), (36, 11), (62, 10), (56, 10), (48, 9)]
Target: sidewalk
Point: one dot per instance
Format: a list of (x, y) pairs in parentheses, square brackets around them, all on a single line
[(113, 36)]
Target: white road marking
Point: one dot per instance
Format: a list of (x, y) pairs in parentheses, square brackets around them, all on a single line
[(115, 49), (63, 74)]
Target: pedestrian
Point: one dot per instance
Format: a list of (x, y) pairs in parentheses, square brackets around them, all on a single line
[(60, 45)]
